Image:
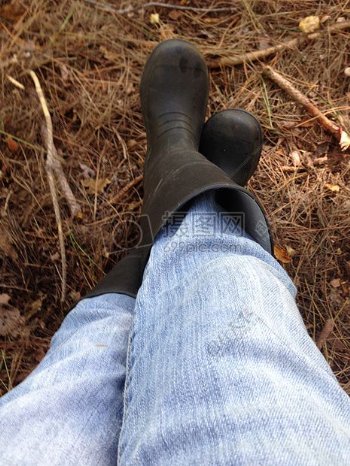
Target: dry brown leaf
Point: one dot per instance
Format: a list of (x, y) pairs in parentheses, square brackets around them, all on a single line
[(4, 298), (175, 14), (12, 144), (6, 246), (325, 333), (96, 186), (281, 254), (12, 11), (335, 188), (296, 158), (11, 322), (336, 282), (309, 24)]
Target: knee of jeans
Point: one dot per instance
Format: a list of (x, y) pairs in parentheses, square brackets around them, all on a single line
[(270, 272), (85, 315), (236, 273)]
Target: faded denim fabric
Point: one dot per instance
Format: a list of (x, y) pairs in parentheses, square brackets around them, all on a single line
[(219, 367), (69, 410)]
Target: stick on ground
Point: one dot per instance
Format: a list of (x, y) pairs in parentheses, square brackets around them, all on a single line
[(342, 137), (50, 163), (119, 196), (73, 205), (112, 9), (289, 44)]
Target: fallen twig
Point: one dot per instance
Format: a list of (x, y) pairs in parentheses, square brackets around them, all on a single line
[(260, 54), (342, 137), (56, 164), (126, 188), (112, 9), (15, 82), (50, 163), (325, 332), (58, 170)]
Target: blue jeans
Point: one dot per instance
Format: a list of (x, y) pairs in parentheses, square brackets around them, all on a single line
[(211, 364)]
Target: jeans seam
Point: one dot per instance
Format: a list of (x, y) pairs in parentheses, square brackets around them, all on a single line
[(128, 378)]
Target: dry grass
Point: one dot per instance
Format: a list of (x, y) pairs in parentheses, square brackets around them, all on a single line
[(89, 63)]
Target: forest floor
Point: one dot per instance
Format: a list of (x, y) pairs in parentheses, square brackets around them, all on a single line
[(88, 57)]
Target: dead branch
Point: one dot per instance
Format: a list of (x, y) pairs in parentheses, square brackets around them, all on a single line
[(50, 163), (112, 9), (126, 188), (325, 332), (296, 95), (61, 177), (342, 137), (289, 44)]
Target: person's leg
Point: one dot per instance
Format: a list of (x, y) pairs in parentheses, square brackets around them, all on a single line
[(221, 369), (69, 410)]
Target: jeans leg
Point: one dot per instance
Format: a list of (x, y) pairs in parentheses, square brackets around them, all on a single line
[(69, 410), (221, 369)]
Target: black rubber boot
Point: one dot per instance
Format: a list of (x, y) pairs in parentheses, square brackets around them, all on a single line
[(233, 140), (174, 90)]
